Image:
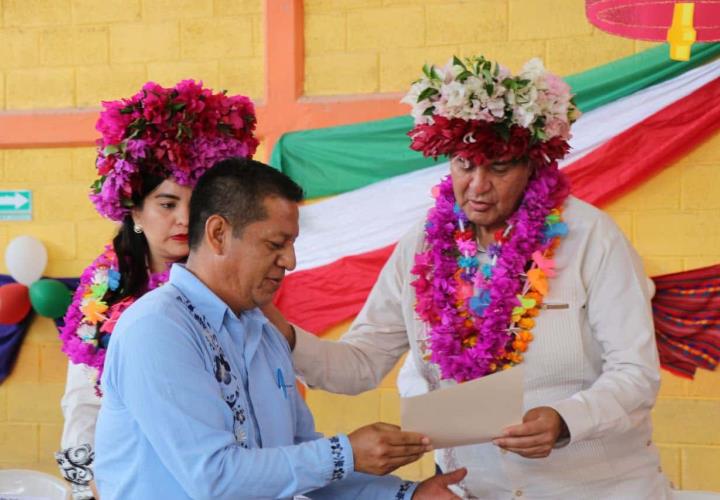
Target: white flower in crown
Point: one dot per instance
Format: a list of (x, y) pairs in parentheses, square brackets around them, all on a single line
[(478, 89), (453, 100), (419, 107), (524, 116), (533, 70), (496, 107)]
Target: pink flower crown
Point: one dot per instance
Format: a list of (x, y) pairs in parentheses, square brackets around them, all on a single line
[(476, 109), (177, 133)]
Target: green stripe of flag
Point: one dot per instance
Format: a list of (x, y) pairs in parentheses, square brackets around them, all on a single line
[(598, 86), (334, 160)]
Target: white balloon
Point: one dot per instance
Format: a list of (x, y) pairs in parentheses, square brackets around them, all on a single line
[(25, 258)]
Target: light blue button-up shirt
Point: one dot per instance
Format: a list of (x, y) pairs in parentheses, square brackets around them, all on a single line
[(200, 403)]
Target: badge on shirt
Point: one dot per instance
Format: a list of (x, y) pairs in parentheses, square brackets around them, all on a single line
[(281, 383)]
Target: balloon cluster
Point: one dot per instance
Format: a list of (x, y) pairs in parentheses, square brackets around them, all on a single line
[(26, 258)]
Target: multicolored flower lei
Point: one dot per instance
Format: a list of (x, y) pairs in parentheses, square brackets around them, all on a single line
[(480, 317), (90, 321)]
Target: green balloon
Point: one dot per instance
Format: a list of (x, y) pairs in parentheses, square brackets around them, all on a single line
[(50, 298)]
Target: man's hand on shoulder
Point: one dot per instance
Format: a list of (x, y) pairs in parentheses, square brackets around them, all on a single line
[(276, 318)]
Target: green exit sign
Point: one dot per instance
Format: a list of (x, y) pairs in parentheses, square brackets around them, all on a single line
[(16, 204)]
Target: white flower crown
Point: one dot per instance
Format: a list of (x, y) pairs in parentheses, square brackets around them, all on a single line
[(478, 89)]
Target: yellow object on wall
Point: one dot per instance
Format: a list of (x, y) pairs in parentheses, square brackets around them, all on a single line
[(682, 34)]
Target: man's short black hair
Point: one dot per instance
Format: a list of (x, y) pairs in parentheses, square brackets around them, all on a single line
[(235, 189)]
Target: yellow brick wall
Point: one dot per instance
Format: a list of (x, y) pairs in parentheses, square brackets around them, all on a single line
[(74, 53), (673, 222), (65, 221), (363, 46)]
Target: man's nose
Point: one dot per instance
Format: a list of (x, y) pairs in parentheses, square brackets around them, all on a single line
[(480, 181), (287, 258)]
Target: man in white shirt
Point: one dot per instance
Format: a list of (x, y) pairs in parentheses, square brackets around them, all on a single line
[(509, 269)]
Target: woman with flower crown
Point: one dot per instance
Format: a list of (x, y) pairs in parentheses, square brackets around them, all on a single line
[(509, 269), (154, 147)]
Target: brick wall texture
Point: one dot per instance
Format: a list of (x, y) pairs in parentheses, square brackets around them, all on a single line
[(75, 53)]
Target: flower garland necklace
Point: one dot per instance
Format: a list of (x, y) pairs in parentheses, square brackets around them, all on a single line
[(480, 317), (90, 321)]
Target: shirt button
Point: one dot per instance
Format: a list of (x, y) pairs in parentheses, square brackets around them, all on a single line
[(648, 443), (518, 493), (659, 469)]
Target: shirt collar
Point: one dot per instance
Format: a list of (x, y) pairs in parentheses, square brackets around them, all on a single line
[(205, 300)]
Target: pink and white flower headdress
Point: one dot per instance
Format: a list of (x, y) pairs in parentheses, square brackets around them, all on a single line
[(476, 109)]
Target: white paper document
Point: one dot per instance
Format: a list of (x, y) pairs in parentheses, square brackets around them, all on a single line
[(468, 413)]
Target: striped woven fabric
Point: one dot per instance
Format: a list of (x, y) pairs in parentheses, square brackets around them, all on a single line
[(686, 308)]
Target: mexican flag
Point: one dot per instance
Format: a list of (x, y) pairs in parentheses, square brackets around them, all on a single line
[(640, 114)]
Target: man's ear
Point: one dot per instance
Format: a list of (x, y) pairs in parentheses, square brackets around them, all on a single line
[(217, 233)]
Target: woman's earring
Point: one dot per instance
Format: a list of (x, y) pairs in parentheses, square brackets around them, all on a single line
[(137, 228)]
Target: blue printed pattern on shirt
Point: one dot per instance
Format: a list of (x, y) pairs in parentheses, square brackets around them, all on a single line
[(229, 383), (404, 487), (336, 449)]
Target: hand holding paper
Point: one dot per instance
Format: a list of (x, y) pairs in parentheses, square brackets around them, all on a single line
[(469, 413), (381, 448), (536, 436)]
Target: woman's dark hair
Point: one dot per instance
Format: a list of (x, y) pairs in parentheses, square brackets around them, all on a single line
[(131, 248)]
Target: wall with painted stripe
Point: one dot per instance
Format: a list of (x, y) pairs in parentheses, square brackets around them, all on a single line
[(69, 54)]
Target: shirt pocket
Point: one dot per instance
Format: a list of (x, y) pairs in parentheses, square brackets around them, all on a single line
[(555, 358)]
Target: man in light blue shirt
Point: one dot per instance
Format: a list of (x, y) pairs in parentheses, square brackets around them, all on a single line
[(199, 395)]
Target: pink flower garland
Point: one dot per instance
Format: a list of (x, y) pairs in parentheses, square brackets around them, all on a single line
[(90, 349), (177, 133), (437, 266)]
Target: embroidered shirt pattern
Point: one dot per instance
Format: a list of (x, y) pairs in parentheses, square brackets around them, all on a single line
[(229, 383), (336, 450), (404, 487)]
